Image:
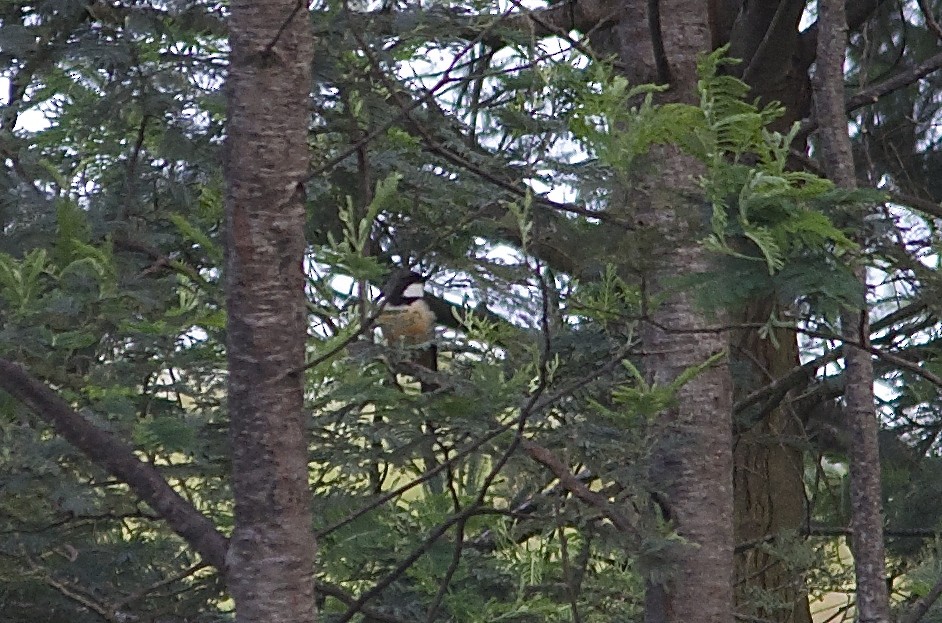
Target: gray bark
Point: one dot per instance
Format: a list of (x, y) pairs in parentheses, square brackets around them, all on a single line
[(691, 466), (866, 505), (271, 557)]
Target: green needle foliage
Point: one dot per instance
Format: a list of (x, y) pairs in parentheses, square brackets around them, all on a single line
[(501, 175)]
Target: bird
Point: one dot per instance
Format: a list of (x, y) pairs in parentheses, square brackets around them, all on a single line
[(407, 321)]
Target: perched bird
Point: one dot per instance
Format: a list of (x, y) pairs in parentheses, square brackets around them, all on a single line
[(408, 321)]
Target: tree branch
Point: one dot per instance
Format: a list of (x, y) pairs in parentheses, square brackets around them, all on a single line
[(872, 94), (922, 605), (576, 487), (118, 459), (551, 21)]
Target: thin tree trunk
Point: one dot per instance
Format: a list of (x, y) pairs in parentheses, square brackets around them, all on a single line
[(271, 558), (865, 490), (866, 505)]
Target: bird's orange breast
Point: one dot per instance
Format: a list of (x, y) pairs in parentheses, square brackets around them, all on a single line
[(410, 325)]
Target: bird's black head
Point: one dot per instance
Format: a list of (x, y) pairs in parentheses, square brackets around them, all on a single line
[(405, 288)]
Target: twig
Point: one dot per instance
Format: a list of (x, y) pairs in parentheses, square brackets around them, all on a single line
[(300, 4), (117, 458), (435, 146), (449, 573), (404, 112), (520, 424), (572, 588), (141, 593), (107, 613), (471, 447), (370, 614)]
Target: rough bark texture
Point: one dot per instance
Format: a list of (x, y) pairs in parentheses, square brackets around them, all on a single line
[(271, 558), (865, 499), (692, 462), (866, 506), (691, 466), (770, 497), (768, 469), (769, 480)]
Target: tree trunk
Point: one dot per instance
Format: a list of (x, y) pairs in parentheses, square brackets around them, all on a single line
[(768, 466), (769, 481), (692, 462), (271, 558), (691, 466), (866, 503)]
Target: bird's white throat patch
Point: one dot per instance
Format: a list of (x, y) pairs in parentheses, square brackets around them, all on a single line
[(414, 291)]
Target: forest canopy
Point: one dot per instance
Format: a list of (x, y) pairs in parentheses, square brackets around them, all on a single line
[(644, 266)]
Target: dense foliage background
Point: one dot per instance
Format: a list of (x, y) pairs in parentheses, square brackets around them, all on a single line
[(471, 146)]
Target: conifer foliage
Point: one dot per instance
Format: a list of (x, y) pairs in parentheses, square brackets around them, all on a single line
[(191, 375)]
